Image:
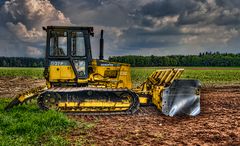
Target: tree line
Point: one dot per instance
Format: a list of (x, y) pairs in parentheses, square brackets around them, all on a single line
[(203, 59), (21, 62)]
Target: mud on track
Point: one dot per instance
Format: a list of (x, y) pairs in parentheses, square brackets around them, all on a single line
[(218, 123)]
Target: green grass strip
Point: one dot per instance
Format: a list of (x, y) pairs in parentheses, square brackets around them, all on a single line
[(27, 125)]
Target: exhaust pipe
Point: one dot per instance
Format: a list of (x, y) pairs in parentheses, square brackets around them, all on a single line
[(101, 57)]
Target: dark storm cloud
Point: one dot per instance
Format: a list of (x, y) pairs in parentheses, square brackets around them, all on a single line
[(228, 3), (160, 27), (220, 12), (168, 7), (200, 23), (213, 12), (90, 4), (135, 38), (95, 12), (2, 2)]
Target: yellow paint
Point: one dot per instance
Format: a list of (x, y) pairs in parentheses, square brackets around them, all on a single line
[(156, 83), (21, 98), (61, 73), (30, 93), (113, 76), (94, 106), (157, 96), (102, 76), (143, 100)]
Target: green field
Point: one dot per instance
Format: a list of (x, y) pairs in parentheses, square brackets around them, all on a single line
[(27, 125), (23, 72), (209, 75)]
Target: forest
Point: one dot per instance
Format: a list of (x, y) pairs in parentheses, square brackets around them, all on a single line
[(203, 59), (21, 62)]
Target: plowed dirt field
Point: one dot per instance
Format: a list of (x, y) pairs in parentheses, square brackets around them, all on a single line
[(218, 123)]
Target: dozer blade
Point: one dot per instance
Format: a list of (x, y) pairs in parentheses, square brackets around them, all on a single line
[(25, 97), (182, 97)]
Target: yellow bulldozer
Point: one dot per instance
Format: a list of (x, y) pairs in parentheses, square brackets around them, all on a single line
[(76, 83)]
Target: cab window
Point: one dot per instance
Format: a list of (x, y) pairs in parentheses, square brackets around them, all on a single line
[(77, 44), (58, 44)]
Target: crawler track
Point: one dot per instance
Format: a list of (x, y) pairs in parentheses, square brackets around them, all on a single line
[(142, 111), (79, 95)]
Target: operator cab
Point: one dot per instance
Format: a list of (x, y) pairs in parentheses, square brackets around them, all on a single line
[(69, 46)]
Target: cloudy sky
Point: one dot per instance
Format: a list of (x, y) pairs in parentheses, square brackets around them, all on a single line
[(132, 27)]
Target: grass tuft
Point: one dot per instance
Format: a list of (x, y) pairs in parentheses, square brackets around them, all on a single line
[(27, 125)]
